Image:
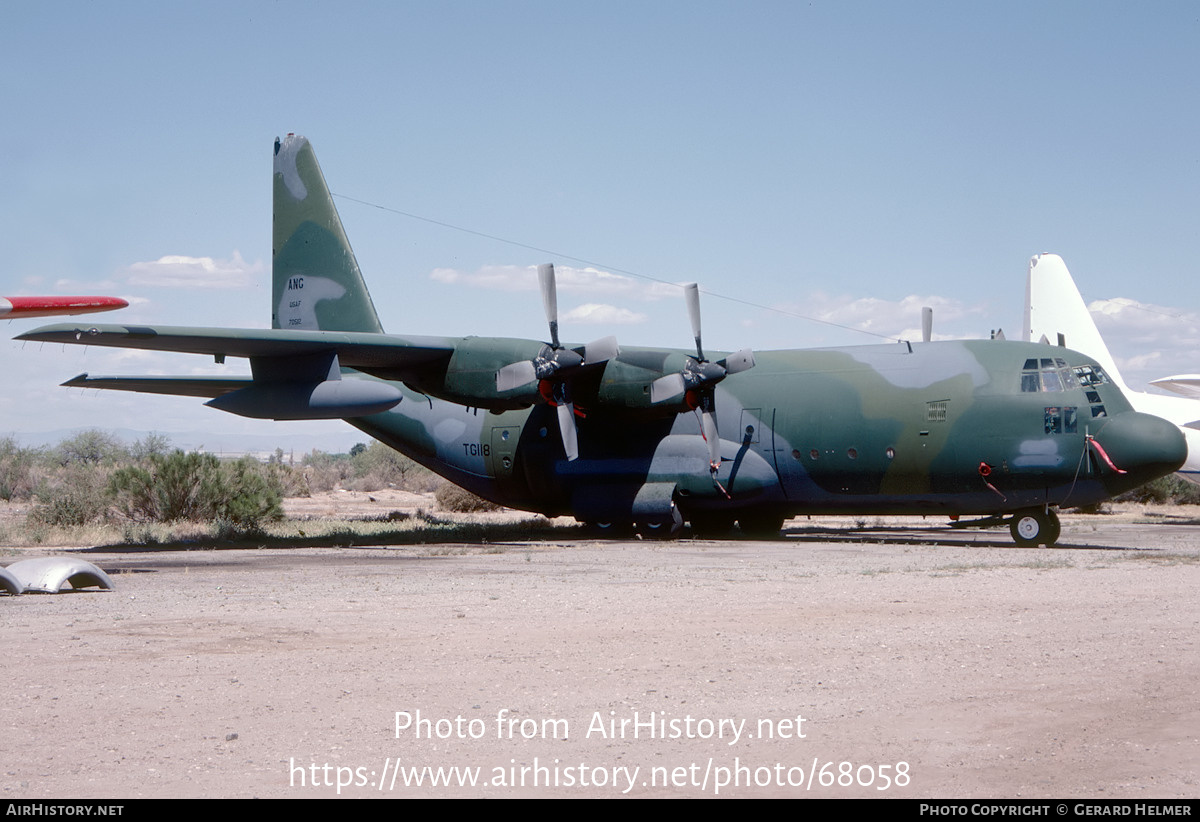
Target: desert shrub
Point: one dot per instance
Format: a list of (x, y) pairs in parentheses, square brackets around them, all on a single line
[(178, 486), (461, 501), (379, 466), (75, 497), (366, 468), (17, 474), (326, 472), (91, 447), (253, 493), (153, 444), (1173, 490)]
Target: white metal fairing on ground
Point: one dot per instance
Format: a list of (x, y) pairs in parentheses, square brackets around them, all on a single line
[(49, 574)]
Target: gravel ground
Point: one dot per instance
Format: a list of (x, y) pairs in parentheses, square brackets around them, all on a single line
[(934, 663)]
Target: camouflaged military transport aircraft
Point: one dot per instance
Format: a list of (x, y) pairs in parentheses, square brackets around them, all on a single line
[(625, 437)]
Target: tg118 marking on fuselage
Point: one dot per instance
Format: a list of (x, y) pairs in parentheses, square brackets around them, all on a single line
[(651, 438)]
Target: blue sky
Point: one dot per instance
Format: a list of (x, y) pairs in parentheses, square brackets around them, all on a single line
[(849, 161)]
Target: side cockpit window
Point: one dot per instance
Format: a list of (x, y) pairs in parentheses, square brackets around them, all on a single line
[(1089, 375)]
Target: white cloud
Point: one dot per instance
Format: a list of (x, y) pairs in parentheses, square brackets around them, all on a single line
[(900, 319), (569, 280), (600, 314), (179, 271), (1148, 341), (68, 286), (497, 277)]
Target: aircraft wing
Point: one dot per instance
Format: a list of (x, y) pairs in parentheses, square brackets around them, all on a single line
[(1186, 384), (382, 355)]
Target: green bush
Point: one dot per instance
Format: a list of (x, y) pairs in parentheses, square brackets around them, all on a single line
[(91, 447), (179, 486), (75, 497), (16, 470), (1172, 490)]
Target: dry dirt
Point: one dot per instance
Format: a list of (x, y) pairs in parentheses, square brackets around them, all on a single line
[(942, 663)]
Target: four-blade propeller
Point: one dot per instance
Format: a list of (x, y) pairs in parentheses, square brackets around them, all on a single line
[(698, 380), (554, 366)]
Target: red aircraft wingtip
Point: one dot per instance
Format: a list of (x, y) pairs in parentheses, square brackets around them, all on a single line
[(52, 306)]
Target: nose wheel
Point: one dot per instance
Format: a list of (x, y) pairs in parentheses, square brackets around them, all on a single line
[(1035, 526)]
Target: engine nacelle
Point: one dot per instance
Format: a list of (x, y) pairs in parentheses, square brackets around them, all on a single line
[(323, 400)]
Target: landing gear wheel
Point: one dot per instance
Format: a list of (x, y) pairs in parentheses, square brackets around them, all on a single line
[(1036, 526), (656, 529)]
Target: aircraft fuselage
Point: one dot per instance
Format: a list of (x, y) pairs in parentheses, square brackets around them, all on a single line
[(941, 427)]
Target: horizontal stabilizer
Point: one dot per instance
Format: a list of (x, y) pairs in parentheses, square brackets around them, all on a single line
[(176, 386)]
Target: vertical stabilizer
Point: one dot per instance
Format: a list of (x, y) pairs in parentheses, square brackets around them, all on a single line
[(316, 283), (1056, 313)]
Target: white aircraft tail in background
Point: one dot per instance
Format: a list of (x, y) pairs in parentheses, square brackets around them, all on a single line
[(1056, 313)]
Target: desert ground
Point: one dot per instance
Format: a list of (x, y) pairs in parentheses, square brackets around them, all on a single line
[(852, 658)]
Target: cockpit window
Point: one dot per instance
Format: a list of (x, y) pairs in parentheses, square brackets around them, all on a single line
[(1053, 374), (1090, 375), (1047, 374)]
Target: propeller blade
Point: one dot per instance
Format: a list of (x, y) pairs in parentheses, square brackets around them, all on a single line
[(691, 293), (601, 350), (515, 375), (666, 388), (709, 421), (549, 299), (566, 427), (738, 361), (926, 324)]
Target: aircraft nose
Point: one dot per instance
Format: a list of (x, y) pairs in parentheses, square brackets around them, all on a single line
[(1144, 446)]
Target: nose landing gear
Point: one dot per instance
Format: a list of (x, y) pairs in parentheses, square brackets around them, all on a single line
[(1035, 526)]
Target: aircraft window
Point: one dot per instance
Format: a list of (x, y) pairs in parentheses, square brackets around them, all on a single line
[(1059, 362), (1047, 362), (1029, 382), (891, 453), (1093, 396), (1054, 420), (852, 453), (1068, 378), (1091, 375), (814, 453), (1031, 365), (796, 454), (1098, 411), (1062, 419), (1050, 381)]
